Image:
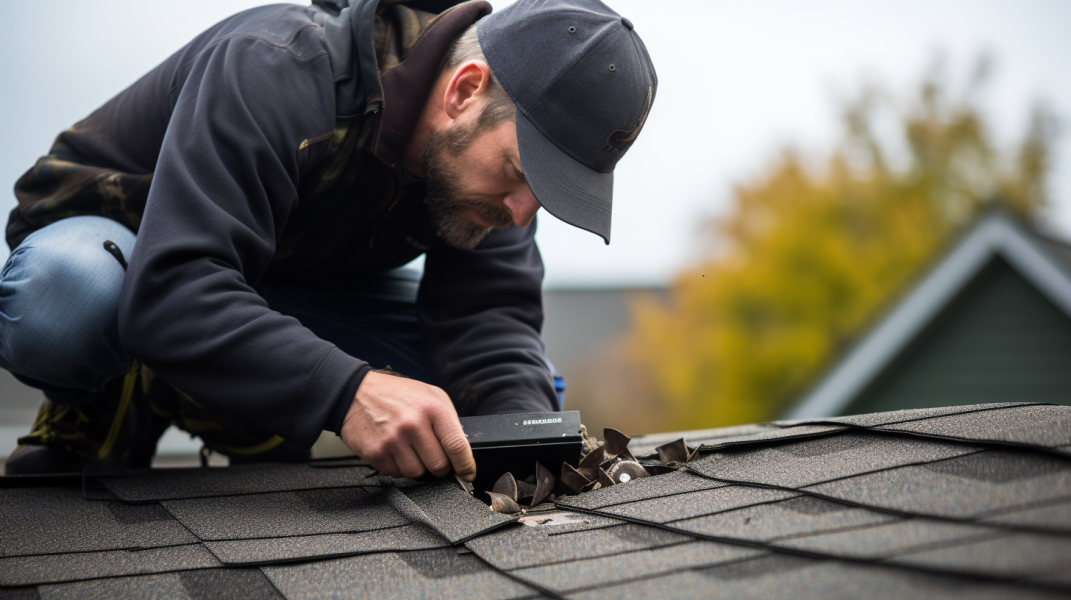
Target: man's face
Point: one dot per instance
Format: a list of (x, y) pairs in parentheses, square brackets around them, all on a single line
[(474, 182)]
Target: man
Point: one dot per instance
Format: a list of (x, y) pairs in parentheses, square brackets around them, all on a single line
[(217, 246)]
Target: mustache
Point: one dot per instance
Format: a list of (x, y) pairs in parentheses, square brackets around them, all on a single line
[(499, 216)]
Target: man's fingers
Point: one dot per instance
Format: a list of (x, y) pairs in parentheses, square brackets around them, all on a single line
[(431, 454), (386, 466), (405, 428), (452, 439), (408, 462)]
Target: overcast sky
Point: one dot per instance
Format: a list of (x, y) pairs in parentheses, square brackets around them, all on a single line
[(736, 82)]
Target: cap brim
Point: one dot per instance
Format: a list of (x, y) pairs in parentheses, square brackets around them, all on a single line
[(572, 192)]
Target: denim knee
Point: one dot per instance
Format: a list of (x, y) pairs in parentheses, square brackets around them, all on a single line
[(59, 301)]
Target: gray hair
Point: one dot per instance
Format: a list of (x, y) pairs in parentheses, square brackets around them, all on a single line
[(499, 106)]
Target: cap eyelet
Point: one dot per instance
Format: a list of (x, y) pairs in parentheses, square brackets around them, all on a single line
[(572, 29), (613, 68), (607, 148)]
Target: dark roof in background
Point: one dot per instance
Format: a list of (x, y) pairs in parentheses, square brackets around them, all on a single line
[(999, 338), (1041, 269), (955, 502)]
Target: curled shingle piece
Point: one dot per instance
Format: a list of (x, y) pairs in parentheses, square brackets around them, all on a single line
[(448, 510), (616, 442), (573, 479), (617, 445), (506, 486), (525, 492), (600, 464), (503, 503), (674, 453), (545, 483), (589, 465)]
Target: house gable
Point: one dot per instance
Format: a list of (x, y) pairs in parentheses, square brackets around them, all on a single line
[(999, 339), (871, 359)]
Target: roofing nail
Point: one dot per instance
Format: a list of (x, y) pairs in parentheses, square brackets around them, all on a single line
[(507, 486), (616, 442), (573, 479), (544, 484), (503, 504), (626, 471)]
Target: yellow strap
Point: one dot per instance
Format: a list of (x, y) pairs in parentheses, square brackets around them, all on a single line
[(156, 410), (117, 423), (271, 442)]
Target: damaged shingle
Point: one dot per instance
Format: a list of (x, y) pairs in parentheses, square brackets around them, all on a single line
[(448, 510), (679, 482)]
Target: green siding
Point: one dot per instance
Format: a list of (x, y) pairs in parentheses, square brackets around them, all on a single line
[(999, 341)]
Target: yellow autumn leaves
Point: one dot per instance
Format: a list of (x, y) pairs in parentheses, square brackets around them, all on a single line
[(811, 252)]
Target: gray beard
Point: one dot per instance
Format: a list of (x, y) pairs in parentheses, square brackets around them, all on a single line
[(446, 204)]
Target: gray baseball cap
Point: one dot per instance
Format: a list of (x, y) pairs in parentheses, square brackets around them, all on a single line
[(583, 83)]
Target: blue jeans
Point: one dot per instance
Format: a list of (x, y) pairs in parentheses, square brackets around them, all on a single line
[(59, 306)]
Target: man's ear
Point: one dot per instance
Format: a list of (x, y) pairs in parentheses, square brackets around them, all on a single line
[(466, 88)]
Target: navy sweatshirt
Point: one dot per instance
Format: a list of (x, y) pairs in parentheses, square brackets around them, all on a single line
[(236, 132)]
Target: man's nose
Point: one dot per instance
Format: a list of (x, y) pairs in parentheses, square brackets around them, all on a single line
[(523, 206)]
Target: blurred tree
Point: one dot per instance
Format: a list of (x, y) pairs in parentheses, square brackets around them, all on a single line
[(810, 253)]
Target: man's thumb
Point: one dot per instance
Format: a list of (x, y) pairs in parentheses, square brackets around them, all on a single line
[(452, 438)]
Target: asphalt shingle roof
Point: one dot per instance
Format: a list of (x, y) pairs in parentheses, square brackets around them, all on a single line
[(285, 514), (971, 502), (413, 536)]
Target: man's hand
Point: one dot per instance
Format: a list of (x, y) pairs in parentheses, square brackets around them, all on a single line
[(404, 427)]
